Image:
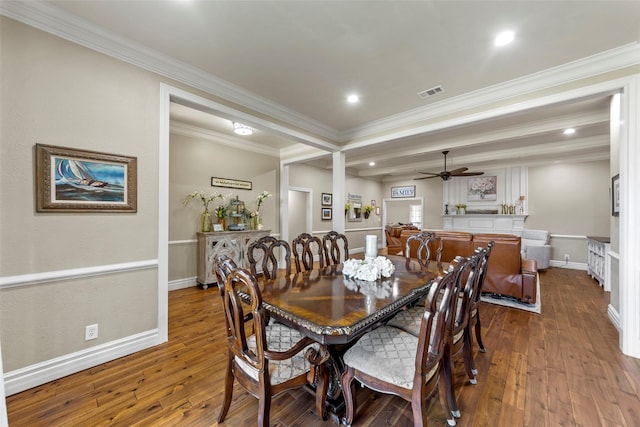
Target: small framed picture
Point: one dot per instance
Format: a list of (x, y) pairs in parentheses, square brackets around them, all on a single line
[(378, 210), (327, 199), (373, 203), (327, 214), (217, 227), (615, 195)]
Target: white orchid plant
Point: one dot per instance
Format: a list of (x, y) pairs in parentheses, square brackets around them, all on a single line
[(206, 199)]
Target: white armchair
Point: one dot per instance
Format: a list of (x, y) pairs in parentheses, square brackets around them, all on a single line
[(535, 245)]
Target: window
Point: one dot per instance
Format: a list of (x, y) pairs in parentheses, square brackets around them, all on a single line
[(415, 215)]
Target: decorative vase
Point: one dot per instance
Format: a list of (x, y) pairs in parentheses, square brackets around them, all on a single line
[(221, 222), (256, 222), (366, 215), (205, 221)]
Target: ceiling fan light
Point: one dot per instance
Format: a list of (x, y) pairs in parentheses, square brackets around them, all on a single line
[(241, 129)]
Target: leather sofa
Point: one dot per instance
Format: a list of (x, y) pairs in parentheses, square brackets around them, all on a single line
[(392, 236), (507, 274)]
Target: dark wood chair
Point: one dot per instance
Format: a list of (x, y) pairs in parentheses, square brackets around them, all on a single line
[(306, 249), (425, 244), (273, 359), (474, 319), (336, 247), (405, 365), (457, 329), (458, 342), (264, 253)]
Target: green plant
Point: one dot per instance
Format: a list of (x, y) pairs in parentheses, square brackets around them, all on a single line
[(461, 206), (221, 211), (367, 209)]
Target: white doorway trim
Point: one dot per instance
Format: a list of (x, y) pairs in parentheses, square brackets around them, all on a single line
[(308, 213), (384, 211)]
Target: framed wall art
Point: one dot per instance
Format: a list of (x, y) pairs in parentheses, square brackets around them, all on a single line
[(482, 188), (404, 191), (327, 199), (68, 179), (327, 214), (615, 195)]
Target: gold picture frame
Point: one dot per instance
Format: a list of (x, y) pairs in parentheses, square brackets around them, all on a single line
[(72, 180)]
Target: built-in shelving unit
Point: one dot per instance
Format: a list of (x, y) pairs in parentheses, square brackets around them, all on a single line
[(597, 265), (485, 223)]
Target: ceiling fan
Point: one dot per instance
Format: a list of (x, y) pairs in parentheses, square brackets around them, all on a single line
[(445, 174)]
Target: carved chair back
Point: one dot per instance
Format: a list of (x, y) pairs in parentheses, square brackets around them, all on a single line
[(426, 244), (264, 253), (306, 248), (336, 247)]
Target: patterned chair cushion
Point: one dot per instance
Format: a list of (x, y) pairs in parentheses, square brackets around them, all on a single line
[(280, 338), (386, 353), (410, 320)]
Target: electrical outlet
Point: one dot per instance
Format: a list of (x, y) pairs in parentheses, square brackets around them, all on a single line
[(566, 258), (90, 332)]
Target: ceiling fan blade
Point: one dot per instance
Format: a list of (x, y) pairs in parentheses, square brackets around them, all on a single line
[(427, 177), (429, 173), (467, 174), (457, 171)]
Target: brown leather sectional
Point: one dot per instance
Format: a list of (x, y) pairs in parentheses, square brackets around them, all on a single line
[(507, 274)]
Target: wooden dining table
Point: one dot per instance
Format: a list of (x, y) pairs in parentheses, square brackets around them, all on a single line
[(335, 310)]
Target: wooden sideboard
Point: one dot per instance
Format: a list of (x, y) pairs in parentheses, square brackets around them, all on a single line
[(234, 244)]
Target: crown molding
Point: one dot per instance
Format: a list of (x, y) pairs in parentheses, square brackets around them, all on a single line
[(611, 60), (50, 19)]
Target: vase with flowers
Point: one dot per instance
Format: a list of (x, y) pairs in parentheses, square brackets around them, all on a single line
[(206, 199), (256, 218)]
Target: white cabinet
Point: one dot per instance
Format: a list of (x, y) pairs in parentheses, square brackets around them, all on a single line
[(234, 244), (597, 265)]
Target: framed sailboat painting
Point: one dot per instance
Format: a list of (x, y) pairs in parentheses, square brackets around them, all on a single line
[(75, 180)]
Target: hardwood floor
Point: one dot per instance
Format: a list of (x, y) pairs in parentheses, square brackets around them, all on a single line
[(561, 367)]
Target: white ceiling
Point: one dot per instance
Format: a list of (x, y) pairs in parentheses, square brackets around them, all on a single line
[(295, 61)]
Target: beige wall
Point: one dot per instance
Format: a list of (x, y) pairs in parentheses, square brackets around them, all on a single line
[(192, 163), (320, 181), (56, 92), (431, 190), (570, 199)]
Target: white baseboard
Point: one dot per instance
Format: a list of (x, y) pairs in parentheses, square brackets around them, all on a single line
[(49, 370), (182, 283), (613, 315), (571, 265)]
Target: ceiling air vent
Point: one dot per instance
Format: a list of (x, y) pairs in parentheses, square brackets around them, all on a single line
[(430, 92)]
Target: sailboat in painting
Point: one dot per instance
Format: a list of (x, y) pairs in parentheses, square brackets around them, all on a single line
[(75, 172), (88, 181)]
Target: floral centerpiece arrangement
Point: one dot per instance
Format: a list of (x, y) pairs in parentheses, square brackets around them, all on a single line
[(369, 269), (206, 199)]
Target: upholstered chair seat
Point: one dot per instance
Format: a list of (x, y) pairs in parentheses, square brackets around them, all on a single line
[(389, 354)]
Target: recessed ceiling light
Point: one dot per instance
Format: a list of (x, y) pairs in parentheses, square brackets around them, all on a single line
[(569, 131), (372, 163), (504, 38), (352, 99), (241, 129)]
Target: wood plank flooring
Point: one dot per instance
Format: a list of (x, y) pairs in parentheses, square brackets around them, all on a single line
[(561, 367)]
